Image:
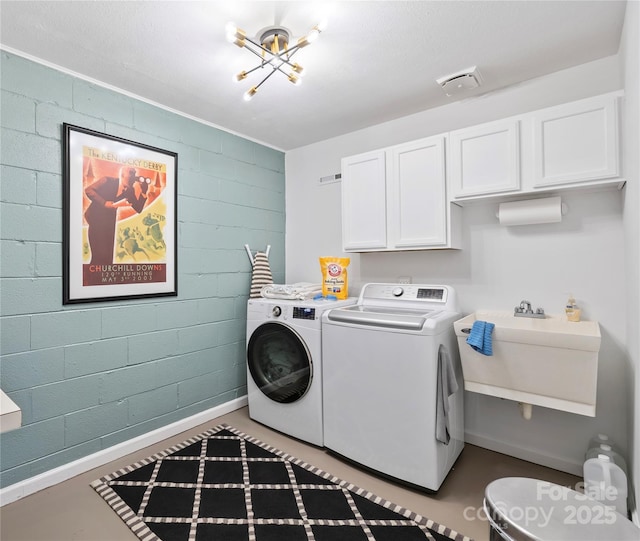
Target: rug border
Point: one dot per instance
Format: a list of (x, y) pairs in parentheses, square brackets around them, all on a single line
[(142, 531)]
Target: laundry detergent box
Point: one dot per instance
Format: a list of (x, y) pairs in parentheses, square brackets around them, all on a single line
[(334, 276)]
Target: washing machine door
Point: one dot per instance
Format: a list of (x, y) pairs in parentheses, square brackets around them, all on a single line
[(279, 362)]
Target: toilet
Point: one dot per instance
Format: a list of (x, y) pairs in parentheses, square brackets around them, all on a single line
[(524, 509)]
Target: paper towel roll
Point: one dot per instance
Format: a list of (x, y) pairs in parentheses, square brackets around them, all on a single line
[(532, 211)]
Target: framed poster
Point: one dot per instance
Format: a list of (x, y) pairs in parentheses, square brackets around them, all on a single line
[(120, 218)]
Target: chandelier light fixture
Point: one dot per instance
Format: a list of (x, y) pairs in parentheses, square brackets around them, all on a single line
[(273, 50)]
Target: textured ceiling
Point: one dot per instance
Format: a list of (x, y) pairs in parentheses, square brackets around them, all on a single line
[(375, 61)]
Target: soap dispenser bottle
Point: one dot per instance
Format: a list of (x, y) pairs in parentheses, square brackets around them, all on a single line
[(572, 310)]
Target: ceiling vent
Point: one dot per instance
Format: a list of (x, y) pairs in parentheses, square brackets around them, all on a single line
[(460, 82)]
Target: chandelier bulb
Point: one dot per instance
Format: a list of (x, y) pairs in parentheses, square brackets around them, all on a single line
[(310, 37), (313, 34), (294, 79), (235, 35), (298, 69), (240, 76), (250, 93)]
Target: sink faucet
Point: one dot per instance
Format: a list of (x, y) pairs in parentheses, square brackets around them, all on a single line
[(525, 310), (525, 307)]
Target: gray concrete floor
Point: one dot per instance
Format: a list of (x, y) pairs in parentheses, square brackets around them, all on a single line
[(72, 511)]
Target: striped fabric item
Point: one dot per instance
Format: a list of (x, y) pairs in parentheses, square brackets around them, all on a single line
[(261, 274)]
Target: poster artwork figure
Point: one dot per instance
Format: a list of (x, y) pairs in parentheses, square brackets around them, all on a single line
[(120, 224), (107, 195)]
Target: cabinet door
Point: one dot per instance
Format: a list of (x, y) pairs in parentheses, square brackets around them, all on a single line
[(577, 142), (485, 159), (417, 194), (364, 214)]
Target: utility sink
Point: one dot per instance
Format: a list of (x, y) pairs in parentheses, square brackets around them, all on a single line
[(548, 362)]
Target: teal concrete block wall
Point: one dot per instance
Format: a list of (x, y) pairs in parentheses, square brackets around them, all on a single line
[(90, 376)]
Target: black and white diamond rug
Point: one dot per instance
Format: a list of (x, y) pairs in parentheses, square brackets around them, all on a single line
[(224, 485)]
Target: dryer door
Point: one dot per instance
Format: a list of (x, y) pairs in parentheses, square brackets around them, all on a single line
[(279, 362)]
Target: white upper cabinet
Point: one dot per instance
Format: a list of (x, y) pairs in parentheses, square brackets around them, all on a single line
[(576, 142), (396, 199), (563, 147), (417, 194), (364, 202), (485, 159), (408, 197)]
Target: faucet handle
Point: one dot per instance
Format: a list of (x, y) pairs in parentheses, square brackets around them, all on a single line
[(540, 311), (525, 306)]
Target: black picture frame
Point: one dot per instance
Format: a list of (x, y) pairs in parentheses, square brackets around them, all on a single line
[(120, 222)]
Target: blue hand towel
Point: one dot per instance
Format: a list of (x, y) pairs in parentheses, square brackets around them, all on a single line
[(480, 337)]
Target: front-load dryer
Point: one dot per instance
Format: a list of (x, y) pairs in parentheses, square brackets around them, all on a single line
[(284, 365)]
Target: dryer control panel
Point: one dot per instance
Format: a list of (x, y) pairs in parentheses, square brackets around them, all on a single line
[(409, 295), (304, 312)]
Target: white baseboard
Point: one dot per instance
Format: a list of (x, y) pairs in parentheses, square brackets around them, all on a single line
[(57, 475), (525, 454)]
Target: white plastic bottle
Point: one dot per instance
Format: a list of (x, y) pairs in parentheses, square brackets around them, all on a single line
[(603, 439), (608, 450), (606, 482)]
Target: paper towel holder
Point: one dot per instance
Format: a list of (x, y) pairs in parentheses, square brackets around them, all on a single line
[(532, 211)]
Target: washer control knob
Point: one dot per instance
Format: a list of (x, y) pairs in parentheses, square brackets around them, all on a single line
[(397, 292), (276, 311)]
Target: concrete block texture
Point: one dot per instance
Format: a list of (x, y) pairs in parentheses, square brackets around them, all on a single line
[(94, 374)]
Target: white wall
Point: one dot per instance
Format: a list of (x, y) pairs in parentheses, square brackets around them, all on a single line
[(630, 55), (497, 266)]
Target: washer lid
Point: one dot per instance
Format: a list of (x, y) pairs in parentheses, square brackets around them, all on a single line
[(379, 316), (532, 510)]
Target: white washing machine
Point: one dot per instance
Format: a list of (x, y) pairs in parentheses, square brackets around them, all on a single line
[(393, 386), (284, 365)]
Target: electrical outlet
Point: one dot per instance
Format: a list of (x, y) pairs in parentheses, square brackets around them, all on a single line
[(404, 279)]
